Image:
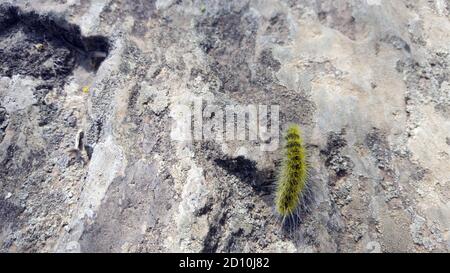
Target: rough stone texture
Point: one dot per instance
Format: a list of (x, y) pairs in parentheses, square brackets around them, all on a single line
[(86, 155)]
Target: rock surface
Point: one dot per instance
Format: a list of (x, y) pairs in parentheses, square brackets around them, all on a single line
[(88, 91)]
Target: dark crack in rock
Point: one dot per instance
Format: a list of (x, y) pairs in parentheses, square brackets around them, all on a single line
[(340, 164), (4, 119), (379, 147), (9, 212), (46, 46)]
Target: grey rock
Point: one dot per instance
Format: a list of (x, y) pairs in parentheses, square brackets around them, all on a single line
[(368, 82)]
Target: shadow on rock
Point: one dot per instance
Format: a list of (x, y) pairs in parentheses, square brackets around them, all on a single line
[(246, 170)]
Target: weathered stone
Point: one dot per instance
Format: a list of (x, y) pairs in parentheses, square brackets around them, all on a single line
[(368, 81)]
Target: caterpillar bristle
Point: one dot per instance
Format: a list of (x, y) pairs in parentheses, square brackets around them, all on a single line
[(293, 175)]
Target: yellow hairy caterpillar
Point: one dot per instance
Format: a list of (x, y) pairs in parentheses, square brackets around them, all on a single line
[(293, 173)]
